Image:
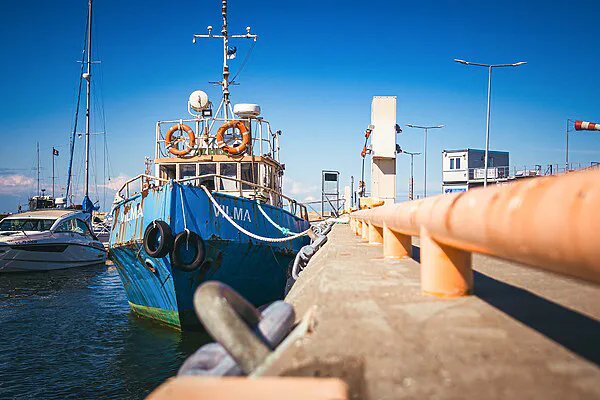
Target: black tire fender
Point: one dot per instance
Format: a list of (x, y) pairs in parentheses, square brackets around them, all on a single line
[(158, 239), (188, 241)]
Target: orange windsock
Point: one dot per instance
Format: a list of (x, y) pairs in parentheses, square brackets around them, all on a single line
[(586, 126)]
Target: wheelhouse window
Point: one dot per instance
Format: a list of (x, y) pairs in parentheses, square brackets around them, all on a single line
[(266, 175), (207, 169), (26, 224), (228, 170), (187, 171), (168, 172), (249, 172)]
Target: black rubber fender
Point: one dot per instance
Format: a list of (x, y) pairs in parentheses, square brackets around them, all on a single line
[(158, 239), (188, 251)]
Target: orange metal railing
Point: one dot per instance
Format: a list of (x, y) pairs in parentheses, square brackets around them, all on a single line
[(551, 223)]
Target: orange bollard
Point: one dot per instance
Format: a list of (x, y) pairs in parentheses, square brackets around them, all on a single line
[(445, 271), (358, 230), (264, 388), (365, 230), (396, 245), (375, 234)]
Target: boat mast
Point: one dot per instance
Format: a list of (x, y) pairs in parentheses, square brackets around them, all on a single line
[(225, 36), (38, 168), (225, 66), (88, 77)]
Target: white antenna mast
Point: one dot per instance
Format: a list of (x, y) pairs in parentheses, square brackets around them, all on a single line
[(225, 36)]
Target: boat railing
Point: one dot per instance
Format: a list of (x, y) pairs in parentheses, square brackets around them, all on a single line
[(145, 181), (214, 182), (548, 223), (264, 141), (249, 189)]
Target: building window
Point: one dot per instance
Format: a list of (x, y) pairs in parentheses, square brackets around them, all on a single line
[(455, 163)]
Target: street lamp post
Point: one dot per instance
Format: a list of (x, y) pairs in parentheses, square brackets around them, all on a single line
[(411, 194), (487, 123), (425, 129)]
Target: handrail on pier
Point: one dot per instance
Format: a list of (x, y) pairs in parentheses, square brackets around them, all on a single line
[(551, 223)]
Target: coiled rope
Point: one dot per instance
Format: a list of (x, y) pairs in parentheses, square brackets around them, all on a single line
[(252, 235)]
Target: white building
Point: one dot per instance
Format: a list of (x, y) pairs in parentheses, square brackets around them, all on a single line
[(464, 169)]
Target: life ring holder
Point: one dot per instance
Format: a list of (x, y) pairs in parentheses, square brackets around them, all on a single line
[(240, 148), (171, 144)]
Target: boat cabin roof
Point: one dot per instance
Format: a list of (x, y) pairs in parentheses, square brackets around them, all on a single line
[(217, 158)]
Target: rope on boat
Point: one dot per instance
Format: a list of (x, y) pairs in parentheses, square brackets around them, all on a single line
[(185, 228), (252, 235), (283, 230)]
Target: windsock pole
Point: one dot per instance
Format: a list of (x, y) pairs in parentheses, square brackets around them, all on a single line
[(580, 126), (567, 165)]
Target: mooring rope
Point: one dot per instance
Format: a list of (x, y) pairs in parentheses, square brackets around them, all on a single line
[(283, 230), (252, 235)]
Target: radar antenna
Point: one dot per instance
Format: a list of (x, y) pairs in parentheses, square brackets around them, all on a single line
[(225, 103)]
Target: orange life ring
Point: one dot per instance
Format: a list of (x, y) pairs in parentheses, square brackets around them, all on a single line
[(240, 148), (171, 145)]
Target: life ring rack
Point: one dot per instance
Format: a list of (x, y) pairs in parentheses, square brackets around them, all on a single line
[(171, 144), (240, 148)]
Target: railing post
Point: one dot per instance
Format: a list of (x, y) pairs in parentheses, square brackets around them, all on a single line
[(396, 245), (358, 229), (445, 271), (375, 234), (365, 230)]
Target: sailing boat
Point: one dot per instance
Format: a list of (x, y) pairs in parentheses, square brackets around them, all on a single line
[(214, 209), (48, 239)]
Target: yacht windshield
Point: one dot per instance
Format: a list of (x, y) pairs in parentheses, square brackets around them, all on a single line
[(28, 224)]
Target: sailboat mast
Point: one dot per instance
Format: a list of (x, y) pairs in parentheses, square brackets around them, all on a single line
[(88, 77), (38, 168)]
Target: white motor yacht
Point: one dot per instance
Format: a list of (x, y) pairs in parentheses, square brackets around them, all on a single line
[(48, 239)]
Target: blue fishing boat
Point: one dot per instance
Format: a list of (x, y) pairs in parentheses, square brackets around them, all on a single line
[(212, 210)]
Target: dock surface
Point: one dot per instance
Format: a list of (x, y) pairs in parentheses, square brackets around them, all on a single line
[(524, 333)]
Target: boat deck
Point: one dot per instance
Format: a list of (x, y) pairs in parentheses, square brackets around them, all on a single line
[(524, 333)]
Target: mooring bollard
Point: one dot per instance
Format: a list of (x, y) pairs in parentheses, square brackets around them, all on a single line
[(365, 230), (396, 245), (445, 271), (375, 234)]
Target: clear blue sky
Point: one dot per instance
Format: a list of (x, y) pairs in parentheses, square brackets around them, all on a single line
[(314, 70)]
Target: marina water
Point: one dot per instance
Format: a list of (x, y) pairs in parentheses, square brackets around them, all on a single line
[(70, 334)]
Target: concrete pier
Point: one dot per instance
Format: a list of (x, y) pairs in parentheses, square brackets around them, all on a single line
[(524, 333)]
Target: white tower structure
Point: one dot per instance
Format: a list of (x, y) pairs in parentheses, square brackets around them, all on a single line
[(383, 142)]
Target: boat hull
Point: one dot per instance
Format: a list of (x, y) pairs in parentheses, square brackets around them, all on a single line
[(158, 290), (49, 256)]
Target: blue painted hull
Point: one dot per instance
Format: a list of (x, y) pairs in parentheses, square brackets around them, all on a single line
[(256, 269)]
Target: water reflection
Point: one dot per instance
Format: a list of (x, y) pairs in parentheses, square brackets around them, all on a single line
[(71, 333)]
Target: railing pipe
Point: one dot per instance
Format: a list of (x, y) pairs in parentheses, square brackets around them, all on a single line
[(548, 222)]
